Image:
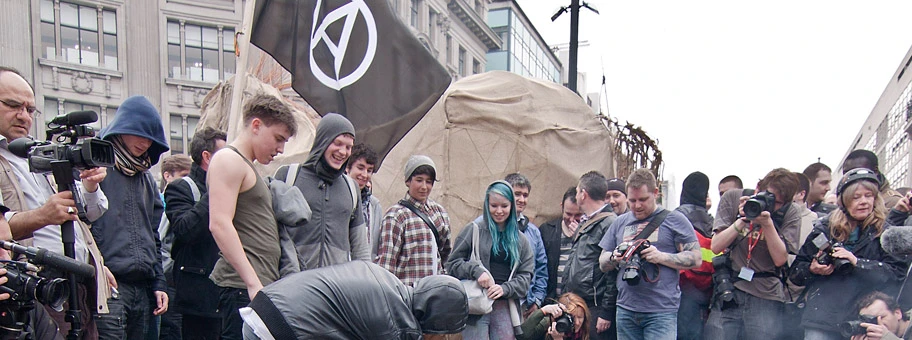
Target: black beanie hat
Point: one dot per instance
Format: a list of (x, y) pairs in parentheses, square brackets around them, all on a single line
[(617, 184), (696, 188)]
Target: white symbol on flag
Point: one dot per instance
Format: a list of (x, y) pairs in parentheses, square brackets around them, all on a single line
[(349, 13)]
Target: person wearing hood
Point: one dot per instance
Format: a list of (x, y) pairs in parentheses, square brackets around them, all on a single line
[(356, 300), (127, 234), (696, 284), (336, 232)]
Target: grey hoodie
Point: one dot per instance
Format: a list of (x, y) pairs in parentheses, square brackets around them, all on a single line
[(336, 232)]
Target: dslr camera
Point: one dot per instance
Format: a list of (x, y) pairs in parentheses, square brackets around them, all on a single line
[(840, 266), (630, 253), (758, 203), (723, 287), (564, 324), (852, 328)]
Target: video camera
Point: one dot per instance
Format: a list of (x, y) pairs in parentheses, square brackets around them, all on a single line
[(25, 288), (852, 328), (630, 253), (72, 146), (758, 203), (840, 266)]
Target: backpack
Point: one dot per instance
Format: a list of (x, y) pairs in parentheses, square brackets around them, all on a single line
[(292, 175), (167, 237)]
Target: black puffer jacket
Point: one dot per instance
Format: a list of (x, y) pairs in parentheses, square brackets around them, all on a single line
[(194, 250), (830, 298)]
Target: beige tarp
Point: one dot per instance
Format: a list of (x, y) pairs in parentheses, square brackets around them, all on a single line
[(217, 103), (489, 125)]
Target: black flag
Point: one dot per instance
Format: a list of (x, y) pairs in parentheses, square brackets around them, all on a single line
[(354, 58)]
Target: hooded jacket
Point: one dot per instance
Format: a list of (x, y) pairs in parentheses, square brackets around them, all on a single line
[(829, 295), (360, 300), (127, 234), (336, 231)]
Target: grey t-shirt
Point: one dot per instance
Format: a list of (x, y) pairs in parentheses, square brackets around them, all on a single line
[(661, 296)]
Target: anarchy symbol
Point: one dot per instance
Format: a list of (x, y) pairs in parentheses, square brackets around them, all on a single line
[(349, 12)]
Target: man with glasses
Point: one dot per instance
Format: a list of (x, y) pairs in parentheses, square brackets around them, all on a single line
[(37, 210)]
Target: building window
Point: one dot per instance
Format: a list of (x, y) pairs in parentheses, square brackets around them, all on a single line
[(84, 34), (54, 107), (432, 35), (462, 62), (449, 49), (413, 15), (479, 7), (200, 53), (182, 126), (476, 67)]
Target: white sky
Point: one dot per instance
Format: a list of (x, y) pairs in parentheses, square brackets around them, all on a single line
[(730, 87)]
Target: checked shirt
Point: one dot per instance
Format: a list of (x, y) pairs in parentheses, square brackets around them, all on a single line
[(407, 246)]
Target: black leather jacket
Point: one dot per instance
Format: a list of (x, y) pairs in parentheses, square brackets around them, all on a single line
[(194, 250)]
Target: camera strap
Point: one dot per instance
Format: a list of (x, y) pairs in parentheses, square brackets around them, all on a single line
[(427, 220), (653, 225)]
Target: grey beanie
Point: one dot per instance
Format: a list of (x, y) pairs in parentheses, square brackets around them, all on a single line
[(414, 162)]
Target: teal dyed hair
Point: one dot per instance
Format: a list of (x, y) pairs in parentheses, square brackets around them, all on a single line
[(508, 239)]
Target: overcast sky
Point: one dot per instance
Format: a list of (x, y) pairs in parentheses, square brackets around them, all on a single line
[(730, 87)]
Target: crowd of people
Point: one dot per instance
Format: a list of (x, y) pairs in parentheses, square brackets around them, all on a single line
[(218, 251)]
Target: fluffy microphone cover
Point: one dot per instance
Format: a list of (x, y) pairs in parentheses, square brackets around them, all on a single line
[(897, 240)]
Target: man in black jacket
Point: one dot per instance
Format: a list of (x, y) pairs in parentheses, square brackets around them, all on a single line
[(557, 236), (194, 250)]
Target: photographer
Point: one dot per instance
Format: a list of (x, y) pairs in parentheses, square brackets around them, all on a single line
[(542, 324), (37, 210), (758, 248), (659, 243), (891, 321), (854, 262)]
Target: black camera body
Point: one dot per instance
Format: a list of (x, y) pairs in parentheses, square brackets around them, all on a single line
[(852, 328), (630, 253), (84, 154), (840, 266), (723, 286), (564, 324), (24, 287), (758, 203)]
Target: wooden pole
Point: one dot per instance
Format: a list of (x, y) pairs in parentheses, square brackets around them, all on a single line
[(240, 77)]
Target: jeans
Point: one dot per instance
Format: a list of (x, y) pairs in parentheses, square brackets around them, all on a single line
[(170, 321), (816, 334), (692, 315), (642, 326), (230, 300), (751, 318), (130, 314), (200, 327), (494, 325)]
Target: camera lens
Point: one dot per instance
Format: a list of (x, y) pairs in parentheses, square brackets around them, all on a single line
[(52, 292), (753, 208)]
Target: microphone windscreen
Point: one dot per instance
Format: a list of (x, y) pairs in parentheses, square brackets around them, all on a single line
[(897, 240), (76, 118), (21, 146)]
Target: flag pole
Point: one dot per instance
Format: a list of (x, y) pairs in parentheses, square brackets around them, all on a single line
[(240, 76)]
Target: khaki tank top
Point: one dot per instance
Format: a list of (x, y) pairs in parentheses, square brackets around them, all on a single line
[(255, 223)]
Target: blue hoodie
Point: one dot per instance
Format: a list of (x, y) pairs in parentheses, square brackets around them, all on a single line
[(127, 234)]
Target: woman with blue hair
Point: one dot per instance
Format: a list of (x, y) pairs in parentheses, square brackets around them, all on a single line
[(506, 263)]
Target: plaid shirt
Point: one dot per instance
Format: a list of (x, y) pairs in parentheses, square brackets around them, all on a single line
[(406, 243)]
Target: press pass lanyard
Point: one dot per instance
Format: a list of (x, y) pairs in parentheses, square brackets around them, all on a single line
[(752, 243)]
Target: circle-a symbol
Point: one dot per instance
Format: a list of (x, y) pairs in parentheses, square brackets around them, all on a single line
[(349, 12)]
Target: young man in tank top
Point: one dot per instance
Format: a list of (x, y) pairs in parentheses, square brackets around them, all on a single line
[(240, 208)]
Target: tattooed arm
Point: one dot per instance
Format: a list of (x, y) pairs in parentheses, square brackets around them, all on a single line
[(688, 258)]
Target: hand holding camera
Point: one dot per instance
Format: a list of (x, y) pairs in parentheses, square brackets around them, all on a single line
[(561, 321), (831, 258), (630, 254), (866, 327)]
